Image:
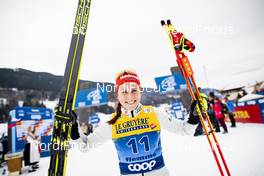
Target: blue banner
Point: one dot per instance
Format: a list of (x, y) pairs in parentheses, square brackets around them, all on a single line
[(90, 97), (178, 109), (260, 102), (170, 83), (40, 119), (29, 113)]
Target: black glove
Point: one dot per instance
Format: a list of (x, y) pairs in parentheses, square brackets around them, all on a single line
[(75, 128), (193, 116)]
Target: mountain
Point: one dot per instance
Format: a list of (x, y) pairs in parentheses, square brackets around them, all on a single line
[(30, 84), (41, 85), (34, 87), (24, 79)]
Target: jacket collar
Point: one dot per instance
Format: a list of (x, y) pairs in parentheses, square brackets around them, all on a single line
[(133, 113)]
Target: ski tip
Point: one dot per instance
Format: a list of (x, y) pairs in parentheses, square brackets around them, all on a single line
[(168, 22), (162, 22)]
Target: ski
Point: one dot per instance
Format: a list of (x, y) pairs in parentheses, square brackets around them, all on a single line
[(62, 119), (179, 44)]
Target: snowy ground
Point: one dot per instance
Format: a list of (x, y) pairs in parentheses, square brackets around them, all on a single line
[(243, 148)]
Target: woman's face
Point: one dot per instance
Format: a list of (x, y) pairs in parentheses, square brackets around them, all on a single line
[(129, 95)]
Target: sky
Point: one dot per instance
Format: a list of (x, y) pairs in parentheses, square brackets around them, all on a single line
[(228, 35)]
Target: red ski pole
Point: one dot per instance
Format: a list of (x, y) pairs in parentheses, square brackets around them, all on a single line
[(179, 43)]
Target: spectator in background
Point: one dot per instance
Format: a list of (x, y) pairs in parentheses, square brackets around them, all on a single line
[(199, 130), (31, 152), (214, 121), (218, 109), (84, 128), (3, 150), (37, 142), (211, 112), (230, 111), (90, 128)]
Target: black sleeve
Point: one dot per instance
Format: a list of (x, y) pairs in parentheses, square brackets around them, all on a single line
[(75, 128), (193, 116), (75, 131)]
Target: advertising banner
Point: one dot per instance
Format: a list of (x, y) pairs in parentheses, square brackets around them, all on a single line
[(179, 111), (90, 97), (170, 83), (250, 111), (40, 119)]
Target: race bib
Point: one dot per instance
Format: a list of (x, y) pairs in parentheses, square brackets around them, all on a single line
[(137, 141)]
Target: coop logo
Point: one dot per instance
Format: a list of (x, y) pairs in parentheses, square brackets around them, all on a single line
[(168, 83), (143, 166)]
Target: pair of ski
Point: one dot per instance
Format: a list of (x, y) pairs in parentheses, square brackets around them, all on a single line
[(62, 119), (187, 72)]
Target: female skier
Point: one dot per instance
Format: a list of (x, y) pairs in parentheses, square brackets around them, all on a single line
[(135, 130)]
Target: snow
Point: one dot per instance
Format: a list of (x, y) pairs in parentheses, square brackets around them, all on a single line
[(184, 155), (250, 97)]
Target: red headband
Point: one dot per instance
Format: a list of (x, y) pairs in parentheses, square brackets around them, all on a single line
[(127, 77)]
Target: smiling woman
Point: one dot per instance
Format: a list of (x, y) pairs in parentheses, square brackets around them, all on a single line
[(128, 92), (135, 130)]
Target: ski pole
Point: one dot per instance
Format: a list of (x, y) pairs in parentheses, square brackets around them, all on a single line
[(211, 128), (186, 71), (200, 116)]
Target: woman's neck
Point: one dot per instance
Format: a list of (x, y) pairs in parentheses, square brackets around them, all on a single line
[(132, 113)]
